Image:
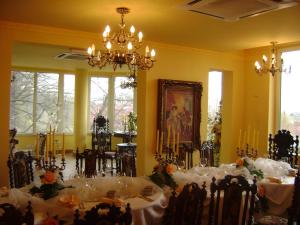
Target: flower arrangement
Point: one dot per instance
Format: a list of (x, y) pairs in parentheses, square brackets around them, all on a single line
[(248, 163), (50, 184), (162, 175)]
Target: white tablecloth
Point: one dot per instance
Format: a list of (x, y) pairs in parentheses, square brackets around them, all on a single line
[(90, 190)]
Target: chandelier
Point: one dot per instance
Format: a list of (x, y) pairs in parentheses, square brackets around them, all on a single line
[(121, 49), (273, 67)]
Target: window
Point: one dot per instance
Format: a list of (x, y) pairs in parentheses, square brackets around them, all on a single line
[(110, 100), (290, 94), (40, 99), (214, 101)]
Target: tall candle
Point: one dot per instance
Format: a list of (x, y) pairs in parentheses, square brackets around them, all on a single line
[(240, 136), (53, 146), (248, 136), (257, 140), (37, 147), (161, 142), (177, 146), (244, 139), (253, 139), (168, 136), (174, 141), (63, 146), (157, 141), (47, 148)]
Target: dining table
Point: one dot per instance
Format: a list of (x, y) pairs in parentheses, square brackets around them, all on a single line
[(277, 181), (146, 208)]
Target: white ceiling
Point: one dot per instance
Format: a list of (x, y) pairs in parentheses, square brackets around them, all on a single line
[(166, 21)]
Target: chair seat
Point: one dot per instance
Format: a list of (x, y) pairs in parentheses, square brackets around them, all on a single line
[(110, 153), (272, 220)]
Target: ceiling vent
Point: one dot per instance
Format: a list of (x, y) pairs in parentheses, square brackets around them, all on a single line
[(74, 54), (231, 10)]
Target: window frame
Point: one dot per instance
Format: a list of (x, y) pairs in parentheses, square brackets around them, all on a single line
[(277, 90), (60, 87), (111, 96)]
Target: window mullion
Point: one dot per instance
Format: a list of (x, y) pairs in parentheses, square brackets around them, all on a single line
[(34, 104), (111, 102), (60, 109)]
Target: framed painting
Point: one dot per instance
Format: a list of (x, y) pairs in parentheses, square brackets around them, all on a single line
[(179, 110)]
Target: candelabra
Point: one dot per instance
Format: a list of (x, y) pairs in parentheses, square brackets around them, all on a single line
[(251, 153), (49, 163), (167, 156)]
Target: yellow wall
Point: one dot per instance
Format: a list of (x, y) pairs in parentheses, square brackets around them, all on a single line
[(173, 62)]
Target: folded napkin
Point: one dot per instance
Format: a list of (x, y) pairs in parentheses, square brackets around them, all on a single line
[(69, 200)]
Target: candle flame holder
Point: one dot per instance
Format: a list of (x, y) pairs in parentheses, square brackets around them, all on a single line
[(50, 163), (251, 153)]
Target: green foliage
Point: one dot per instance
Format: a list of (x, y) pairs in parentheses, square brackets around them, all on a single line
[(47, 190), (162, 178)]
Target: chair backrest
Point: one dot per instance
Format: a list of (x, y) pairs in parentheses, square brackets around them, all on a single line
[(20, 169), (207, 151), (294, 209), (42, 143), (13, 216), (282, 145), (12, 140), (105, 214), (104, 141), (87, 160), (238, 201), (187, 207)]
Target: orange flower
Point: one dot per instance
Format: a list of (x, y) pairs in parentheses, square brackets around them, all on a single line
[(169, 169), (239, 162), (50, 221), (261, 191), (49, 177)]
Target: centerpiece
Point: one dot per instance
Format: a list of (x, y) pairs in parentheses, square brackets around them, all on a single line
[(249, 165), (162, 175), (49, 185)]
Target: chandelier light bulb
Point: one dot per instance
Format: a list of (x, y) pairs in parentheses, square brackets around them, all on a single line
[(129, 46), (108, 45), (89, 50), (107, 29), (140, 35), (265, 58), (132, 30), (257, 65), (152, 53), (99, 55), (147, 51)]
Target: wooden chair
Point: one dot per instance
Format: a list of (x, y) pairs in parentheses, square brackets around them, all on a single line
[(283, 145), (104, 214), (12, 140), (207, 151), (126, 158), (20, 169), (187, 207), (238, 194), (13, 216), (42, 143), (86, 162)]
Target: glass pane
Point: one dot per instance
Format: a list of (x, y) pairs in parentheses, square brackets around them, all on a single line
[(98, 97), (21, 102), (214, 99), (290, 94), (69, 95), (47, 106), (123, 103)]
